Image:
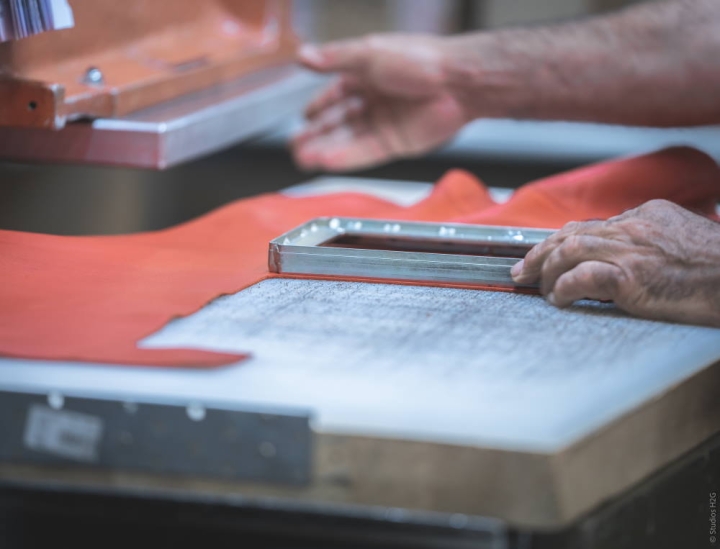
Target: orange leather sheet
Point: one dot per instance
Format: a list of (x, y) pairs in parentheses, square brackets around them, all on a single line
[(93, 298)]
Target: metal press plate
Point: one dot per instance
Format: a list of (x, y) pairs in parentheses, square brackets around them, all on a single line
[(171, 133), (396, 250)]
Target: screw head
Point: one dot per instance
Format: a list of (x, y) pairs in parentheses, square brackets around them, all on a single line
[(94, 77), (196, 412), (267, 450), (56, 401)]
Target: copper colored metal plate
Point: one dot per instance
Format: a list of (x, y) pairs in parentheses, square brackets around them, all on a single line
[(143, 51)]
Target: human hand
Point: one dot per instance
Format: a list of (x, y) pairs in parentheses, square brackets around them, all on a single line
[(658, 261), (391, 100)]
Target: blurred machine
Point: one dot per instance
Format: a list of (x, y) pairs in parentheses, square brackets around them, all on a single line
[(149, 83)]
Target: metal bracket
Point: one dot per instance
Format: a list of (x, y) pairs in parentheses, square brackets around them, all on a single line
[(395, 250), (189, 440)]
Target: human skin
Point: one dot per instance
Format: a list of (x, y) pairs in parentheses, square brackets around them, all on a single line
[(658, 261), (656, 64), (402, 95)]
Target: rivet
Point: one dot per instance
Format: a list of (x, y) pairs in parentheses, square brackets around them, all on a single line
[(130, 407), (94, 77), (56, 401), (267, 450), (196, 412)]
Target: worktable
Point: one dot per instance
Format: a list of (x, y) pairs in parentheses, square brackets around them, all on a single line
[(455, 417)]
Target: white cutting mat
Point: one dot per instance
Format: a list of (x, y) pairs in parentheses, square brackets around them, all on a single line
[(458, 366), (451, 365)]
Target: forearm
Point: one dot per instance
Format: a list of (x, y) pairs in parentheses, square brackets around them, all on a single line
[(655, 64)]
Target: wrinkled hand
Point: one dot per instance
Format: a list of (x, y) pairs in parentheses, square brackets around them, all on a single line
[(390, 101), (658, 261)]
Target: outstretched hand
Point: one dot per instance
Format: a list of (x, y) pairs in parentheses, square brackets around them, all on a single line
[(390, 101), (657, 261)]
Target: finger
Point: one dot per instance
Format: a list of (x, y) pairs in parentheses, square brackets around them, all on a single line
[(589, 280), (333, 117), (346, 148), (529, 270), (344, 87), (345, 55), (573, 251)]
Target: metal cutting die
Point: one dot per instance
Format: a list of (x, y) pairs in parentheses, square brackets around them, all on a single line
[(398, 250)]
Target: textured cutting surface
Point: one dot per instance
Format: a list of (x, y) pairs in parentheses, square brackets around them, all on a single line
[(433, 363), (459, 366)]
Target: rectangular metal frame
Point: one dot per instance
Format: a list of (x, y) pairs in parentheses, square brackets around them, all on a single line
[(304, 251)]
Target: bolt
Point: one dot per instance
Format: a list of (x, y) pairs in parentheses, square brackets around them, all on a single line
[(196, 412), (94, 77), (56, 401), (130, 407), (267, 450)]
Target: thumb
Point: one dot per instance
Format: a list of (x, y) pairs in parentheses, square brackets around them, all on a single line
[(346, 55)]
